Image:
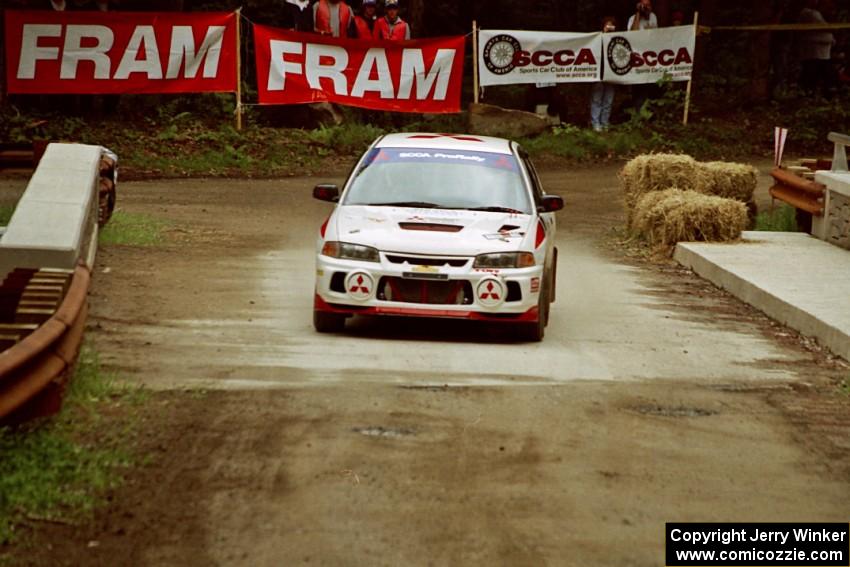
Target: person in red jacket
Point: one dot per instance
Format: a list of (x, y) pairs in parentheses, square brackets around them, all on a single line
[(365, 21), (334, 18), (391, 27)]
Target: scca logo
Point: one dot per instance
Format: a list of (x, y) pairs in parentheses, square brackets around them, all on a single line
[(563, 58), (503, 53), (622, 58), (665, 58)]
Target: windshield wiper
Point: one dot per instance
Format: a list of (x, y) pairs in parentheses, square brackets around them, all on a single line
[(416, 204), (497, 210)]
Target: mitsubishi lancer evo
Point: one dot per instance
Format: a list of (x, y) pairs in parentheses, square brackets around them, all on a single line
[(438, 225)]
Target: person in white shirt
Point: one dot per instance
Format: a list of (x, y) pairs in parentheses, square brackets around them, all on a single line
[(815, 50), (644, 18)]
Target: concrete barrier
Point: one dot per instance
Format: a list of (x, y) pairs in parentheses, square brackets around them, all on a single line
[(794, 278), (55, 222), (834, 225)]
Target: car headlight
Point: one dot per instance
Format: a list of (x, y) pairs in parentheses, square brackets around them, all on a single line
[(346, 251), (505, 260)]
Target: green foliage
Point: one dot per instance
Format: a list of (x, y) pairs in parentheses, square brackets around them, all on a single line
[(844, 387), (6, 214), (133, 229), (46, 471), (346, 138), (576, 143), (782, 218)]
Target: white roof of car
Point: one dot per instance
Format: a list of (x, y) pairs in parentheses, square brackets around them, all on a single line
[(455, 142)]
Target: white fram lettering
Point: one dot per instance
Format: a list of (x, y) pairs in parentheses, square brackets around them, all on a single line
[(183, 52), (374, 75), (413, 70), (375, 60), (30, 50), (77, 46), (143, 38), (333, 71), (73, 51)]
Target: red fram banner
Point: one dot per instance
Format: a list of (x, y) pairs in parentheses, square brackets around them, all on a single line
[(120, 52), (411, 76)]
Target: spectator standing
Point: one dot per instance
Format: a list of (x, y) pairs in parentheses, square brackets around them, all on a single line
[(334, 18), (391, 27), (365, 21), (815, 51), (677, 19), (289, 15), (644, 18), (602, 95)]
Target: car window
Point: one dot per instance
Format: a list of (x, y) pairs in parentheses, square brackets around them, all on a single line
[(536, 186), (442, 178)]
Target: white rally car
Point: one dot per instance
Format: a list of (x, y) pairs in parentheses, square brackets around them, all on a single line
[(437, 225)]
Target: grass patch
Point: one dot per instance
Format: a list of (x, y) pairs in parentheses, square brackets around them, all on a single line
[(6, 214), (133, 229), (57, 469), (844, 387), (346, 138), (576, 143), (782, 218)]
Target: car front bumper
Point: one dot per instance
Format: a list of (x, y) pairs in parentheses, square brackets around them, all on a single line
[(411, 289)]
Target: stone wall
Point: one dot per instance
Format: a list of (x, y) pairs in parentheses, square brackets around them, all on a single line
[(838, 231)]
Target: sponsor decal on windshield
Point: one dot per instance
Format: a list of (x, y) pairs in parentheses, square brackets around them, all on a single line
[(416, 155)]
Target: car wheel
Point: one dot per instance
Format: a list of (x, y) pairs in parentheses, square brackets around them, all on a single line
[(534, 332), (328, 322)]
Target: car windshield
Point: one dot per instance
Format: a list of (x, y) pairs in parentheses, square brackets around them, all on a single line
[(449, 179)]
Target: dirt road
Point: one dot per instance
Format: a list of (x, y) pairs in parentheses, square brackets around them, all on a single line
[(654, 398)]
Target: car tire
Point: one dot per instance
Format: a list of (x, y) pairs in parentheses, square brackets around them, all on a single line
[(325, 322), (534, 332), (554, 277), (546, 301)]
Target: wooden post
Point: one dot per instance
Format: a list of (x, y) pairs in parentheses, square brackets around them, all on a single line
[(691, 80), (475, 79), (238, 68)]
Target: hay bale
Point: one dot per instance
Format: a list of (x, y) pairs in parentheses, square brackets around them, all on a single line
[(671, 216), (656, 172), (731, 180)]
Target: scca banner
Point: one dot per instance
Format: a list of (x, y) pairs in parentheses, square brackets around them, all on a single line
[(649, 56), (412, 76), (120, 52), (511, 57)]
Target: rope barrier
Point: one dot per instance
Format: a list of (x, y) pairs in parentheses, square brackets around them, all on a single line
[(777, 27)]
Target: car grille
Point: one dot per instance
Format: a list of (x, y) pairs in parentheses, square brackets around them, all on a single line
[(416, 261), (429, 292)]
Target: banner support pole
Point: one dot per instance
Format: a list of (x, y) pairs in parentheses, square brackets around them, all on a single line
[(475, 80), (691, 80), (238, 68)]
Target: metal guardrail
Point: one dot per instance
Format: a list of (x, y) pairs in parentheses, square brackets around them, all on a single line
[(46, 256), (798, 192), (796, 185), (33, 371)]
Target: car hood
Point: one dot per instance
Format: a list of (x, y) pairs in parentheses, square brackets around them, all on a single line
[(432, 231)]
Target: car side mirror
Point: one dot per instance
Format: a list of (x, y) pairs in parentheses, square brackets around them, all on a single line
[(326, 192), (551, 203)]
